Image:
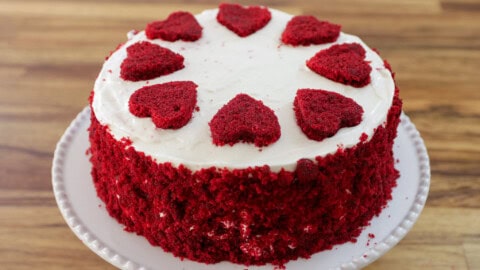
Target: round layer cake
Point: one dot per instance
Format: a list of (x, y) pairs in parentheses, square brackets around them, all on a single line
[(244, 134)]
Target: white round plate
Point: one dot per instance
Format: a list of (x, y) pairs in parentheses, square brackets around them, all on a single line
[(86, 215)]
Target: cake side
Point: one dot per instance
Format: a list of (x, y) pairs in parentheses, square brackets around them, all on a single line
[(248, 216)]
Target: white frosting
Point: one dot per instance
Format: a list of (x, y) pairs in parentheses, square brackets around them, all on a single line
[(223, 65)]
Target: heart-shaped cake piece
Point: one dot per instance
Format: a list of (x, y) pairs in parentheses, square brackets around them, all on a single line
[(146, 61), (320, 114), (170, 105), (245, 119), (306, 30), (179, 25), (243, 21), (343, 63)]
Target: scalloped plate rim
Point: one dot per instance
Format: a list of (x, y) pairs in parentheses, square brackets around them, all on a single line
[(112, 256)]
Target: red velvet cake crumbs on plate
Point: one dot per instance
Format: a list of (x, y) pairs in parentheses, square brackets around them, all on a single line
[(307, 30), (243, 21), (387, 65), (363, 137), (170, 105), (179, 25), (343, 63), (244, 119), (146, 61), (320, 114)]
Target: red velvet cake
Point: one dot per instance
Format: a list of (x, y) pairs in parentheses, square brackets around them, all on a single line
[(244, 134)]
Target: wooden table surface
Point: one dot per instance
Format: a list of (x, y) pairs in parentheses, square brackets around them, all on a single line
[(51, 52)]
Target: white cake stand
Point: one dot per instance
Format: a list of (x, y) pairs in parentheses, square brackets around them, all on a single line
[(86, 215)]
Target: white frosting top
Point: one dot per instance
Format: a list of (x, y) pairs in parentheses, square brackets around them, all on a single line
[(223, 65)]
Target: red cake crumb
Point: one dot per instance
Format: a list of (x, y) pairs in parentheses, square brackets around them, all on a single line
[(243, 21), (387, 65), (343, 63), (255, 208), (306, 170), (90, 97), (244, 119), (307, 30), (320, 114), (170, 105), (146, 61), (179, 25)]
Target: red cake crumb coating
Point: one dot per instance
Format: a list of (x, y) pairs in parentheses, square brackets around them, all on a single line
[(146, 61), (243, 21), (320, 114), (169, 104), (244, 119), (343, 63), (179, 25), (307, 30), (248, 216)]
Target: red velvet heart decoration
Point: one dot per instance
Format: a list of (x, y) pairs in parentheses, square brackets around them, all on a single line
[(307, 30), (146, 61), (343, 63), (170, 105), (320, 114), (243, 21), (244, 119), (179, 25)]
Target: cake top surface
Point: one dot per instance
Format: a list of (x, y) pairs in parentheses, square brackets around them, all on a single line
[(223, 65)]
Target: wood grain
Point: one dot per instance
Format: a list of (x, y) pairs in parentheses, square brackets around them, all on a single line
[(51, 52)]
